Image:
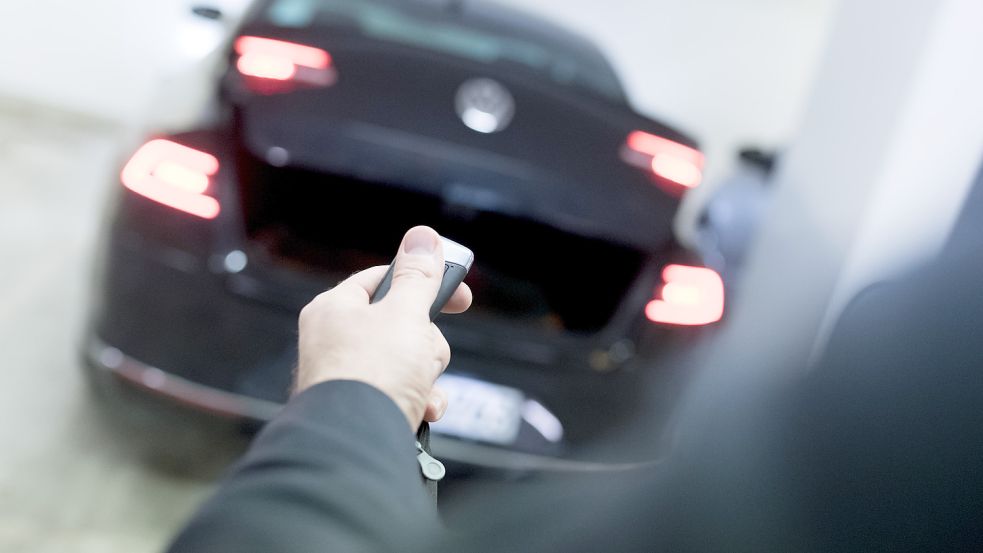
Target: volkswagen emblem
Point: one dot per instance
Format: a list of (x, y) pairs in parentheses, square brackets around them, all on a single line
[(484, 105)]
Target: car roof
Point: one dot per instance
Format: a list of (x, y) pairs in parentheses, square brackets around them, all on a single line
[(510, 21)]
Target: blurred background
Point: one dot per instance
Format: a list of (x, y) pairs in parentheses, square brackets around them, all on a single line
[(836, 142)]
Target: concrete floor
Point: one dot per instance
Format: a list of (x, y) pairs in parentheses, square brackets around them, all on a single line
[(68, 481)]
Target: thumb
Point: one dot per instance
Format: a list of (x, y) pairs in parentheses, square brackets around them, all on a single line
[(417, 270)]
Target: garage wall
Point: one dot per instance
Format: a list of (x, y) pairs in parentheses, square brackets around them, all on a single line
[(873, 181), (103, 58)]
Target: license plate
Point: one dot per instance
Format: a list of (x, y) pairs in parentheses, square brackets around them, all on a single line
[(480, 410)]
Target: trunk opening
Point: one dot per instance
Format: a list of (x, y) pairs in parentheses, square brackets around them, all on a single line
[(525, 272)]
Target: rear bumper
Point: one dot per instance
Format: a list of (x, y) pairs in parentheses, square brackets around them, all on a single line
[(152, 380), (106, 358)]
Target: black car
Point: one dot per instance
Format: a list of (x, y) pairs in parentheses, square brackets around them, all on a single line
[(342, 123)]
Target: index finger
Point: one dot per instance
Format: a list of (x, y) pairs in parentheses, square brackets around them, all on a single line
[(363, 283)]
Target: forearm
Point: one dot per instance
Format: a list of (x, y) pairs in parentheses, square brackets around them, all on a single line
[(336, 471)]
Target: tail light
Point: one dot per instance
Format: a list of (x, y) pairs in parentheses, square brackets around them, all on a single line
[(276, 66), (174, 175), (672, 161), (691, 296)]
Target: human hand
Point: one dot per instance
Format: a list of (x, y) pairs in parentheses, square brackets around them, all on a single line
[(390, 345)]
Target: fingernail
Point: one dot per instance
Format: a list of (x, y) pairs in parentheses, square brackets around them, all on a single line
[(437, 404), (420, 241)]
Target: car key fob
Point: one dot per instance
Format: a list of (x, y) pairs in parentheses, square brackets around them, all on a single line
[(457, 262)]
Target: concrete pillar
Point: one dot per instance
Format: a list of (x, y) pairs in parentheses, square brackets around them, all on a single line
[(888, 146)]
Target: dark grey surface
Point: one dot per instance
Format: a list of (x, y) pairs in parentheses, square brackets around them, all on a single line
[(336, 471)]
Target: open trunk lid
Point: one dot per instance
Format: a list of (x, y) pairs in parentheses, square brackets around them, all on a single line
[(390, 118), (314, 229)]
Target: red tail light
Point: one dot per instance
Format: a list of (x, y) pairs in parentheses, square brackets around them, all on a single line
[(690, 296), (670, 160), (276, 61), (174, 175)]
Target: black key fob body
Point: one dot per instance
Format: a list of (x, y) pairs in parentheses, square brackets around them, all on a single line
[(457, 262)]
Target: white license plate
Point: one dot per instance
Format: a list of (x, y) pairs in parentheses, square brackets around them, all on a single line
[(480, 410)]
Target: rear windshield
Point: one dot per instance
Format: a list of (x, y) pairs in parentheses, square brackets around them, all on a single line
[(428, 27)]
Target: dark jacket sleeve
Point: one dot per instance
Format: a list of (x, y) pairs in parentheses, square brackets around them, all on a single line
[(335, 471)]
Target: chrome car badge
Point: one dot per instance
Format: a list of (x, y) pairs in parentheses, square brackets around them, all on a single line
[(484, 105)]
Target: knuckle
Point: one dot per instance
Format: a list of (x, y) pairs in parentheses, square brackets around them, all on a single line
[(306, 313), (442, 348), (414, 270), (318, 305)]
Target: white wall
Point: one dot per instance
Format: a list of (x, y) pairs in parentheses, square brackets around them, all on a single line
[(872, 181), (105, 58), (931, 157)]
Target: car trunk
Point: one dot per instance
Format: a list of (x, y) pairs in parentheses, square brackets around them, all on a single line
[(390, 118), (526, 272), (331, 177)]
